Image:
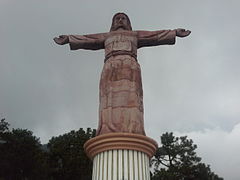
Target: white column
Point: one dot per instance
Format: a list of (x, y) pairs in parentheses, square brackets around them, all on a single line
[(105, 166), (121, 165), (100, 177), (109, 161), (140, 165), (147, 167), (115, 165), (136, 160), (131, 167), (126, 165)]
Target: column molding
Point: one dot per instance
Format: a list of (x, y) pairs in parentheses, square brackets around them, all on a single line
[(116, 141)]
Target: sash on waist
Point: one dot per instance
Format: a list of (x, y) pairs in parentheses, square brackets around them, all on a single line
[(115, 53)]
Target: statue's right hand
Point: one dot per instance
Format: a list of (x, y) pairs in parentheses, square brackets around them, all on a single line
[(182, 32), (61, 40)]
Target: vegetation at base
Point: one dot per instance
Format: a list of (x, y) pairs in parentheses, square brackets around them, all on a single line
[(177, 159), (67, 158), (23, 157)]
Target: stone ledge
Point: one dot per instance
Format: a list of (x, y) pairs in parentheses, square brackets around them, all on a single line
[(122, 141)]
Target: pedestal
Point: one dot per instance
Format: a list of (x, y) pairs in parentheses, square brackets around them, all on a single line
[(120, 156)]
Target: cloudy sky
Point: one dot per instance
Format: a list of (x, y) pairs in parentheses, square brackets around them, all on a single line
[(191, 88)]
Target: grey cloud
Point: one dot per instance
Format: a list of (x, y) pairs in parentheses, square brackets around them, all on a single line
[(191, 86)]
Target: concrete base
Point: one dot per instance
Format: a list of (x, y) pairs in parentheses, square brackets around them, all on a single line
[(121, 165), (120, 156)]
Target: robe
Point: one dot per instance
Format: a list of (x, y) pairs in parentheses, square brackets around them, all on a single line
[(120, 89)]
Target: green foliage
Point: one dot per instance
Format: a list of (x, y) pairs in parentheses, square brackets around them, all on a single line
[(176, 159), (21, 156), (68, 160), (3, 126)]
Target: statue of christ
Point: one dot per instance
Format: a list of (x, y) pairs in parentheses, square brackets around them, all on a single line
[(121, 94)]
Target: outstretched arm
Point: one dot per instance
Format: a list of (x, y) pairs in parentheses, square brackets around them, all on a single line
[(162, 37), (91, 41)]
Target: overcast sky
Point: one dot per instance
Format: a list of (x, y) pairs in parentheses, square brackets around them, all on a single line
[(191, 88)]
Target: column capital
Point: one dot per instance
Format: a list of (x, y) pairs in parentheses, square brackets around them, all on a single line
[(118, 141)]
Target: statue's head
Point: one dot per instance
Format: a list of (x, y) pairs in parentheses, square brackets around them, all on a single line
[(120, 21)]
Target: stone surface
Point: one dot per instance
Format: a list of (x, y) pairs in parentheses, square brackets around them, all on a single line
[(121, 95)]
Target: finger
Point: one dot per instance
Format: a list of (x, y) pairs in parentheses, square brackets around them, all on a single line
[(55, 39)]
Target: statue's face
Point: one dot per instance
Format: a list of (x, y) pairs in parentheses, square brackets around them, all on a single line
[(120, 22)]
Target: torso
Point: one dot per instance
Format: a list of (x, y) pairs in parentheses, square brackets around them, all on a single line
[(121, 108), (121, 43)]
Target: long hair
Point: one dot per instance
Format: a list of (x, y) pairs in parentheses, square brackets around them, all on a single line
[(129, 27)]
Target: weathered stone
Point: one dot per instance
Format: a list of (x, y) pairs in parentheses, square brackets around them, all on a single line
[(121, 119), (121, 96)]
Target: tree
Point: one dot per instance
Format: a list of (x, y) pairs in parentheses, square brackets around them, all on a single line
[(3, 126), (3, 129), (21, 155), (176, 159), (68, 160)]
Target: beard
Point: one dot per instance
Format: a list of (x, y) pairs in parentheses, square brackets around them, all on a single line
[(120, 26)]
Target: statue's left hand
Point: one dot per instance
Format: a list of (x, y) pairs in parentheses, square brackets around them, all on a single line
[(61, 40), (182, 32)]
